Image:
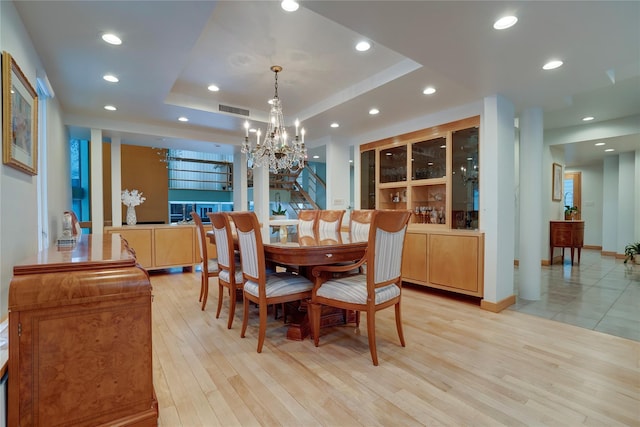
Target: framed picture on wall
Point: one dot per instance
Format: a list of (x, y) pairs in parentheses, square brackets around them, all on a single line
[(19, 118), (556, 179)]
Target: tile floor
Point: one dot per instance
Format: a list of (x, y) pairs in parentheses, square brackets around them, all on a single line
[(601, 293)]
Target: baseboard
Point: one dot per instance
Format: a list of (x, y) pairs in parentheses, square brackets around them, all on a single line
[(608, 253), (497, 307), (598, 248)]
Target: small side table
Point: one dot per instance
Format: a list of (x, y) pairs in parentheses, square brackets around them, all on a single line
[(566, 234)]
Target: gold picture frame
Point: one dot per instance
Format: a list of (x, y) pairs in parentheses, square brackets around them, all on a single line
[(19, 118), (556, 180)]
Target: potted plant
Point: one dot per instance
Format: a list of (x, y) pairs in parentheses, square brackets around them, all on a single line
[(570, 212), (278, 212), (632, 252)]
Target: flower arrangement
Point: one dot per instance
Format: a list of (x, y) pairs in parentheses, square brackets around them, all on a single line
[(132, 198)]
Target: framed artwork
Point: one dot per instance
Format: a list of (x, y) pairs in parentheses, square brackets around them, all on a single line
[(556, 179), (19, 118)]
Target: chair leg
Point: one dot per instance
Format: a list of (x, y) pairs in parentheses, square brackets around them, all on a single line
[(314, 313), (205, 295), (399, 324), (201, 287), (220, 295), (245, 315), (262, 329), (371, 332), (232, 305), (357, 319)]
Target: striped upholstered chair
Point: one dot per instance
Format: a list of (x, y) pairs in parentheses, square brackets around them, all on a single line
[(307, 220), (359, 223), (230, 271), (328, 226), (260, 287), (380, 287), (209, 266)]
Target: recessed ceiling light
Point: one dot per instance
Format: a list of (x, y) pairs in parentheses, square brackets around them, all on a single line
[(110, 78), (609, 149), (112, 39), (588, 118), (213, 88), (350, 161), (110, 107), (374, 111), (505, 22), (183, 119), (429, 90), (316, 157), (551, 65), (363, 46), (335, 125), (289, 5), (598, 144)]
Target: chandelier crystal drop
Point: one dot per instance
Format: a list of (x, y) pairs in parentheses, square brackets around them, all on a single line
[(275, 152)]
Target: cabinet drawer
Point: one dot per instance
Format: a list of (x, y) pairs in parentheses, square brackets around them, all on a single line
[(174, 246), (453, 261), (414, 258)]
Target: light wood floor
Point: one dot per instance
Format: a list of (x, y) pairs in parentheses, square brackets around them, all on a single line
[(461, 366)]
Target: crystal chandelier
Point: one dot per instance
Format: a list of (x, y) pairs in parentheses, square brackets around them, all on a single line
[(275, 151)]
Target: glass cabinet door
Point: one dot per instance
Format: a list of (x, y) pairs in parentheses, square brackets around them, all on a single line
[(393, 164), (368, 179), (465, 186), (429, 159)]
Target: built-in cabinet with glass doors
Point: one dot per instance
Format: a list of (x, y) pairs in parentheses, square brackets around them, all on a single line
[(434, 173)]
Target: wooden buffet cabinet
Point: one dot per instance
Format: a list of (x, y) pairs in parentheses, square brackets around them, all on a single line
[(434, 173), (80, 338), (451, 260), (162, 245), (566, 234)]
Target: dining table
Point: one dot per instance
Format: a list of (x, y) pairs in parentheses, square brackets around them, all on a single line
[(301, 254)]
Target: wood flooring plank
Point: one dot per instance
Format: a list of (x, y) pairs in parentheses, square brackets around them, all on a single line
[(462, 366)]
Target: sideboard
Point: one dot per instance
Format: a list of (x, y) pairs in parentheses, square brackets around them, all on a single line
[(566, 234), (162, 245), (80, 338)]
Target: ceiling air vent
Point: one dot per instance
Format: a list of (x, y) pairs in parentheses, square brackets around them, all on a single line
[(233, 110)]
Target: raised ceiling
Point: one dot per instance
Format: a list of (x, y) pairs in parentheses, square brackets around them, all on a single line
[(172, 50)]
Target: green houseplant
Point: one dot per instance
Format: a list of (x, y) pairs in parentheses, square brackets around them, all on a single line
[(278, 211), (631, 252), (570, 211)]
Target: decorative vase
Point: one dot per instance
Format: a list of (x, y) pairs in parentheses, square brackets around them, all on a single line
[(131, 215)]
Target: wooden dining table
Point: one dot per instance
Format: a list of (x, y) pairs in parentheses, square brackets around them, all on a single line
[(303, 253)]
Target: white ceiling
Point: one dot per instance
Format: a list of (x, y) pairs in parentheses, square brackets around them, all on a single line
[(172, 50)]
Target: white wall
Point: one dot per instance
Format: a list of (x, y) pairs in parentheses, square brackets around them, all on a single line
[(18, 191)]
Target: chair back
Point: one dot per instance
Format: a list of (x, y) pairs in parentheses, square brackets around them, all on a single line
[(250, 243), (329, 224), (384, 252), (224, 240), (202, 242), (307, 220), (359, 224)]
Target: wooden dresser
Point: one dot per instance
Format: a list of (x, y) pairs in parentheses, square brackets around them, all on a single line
[(80, 338), (566, 234)]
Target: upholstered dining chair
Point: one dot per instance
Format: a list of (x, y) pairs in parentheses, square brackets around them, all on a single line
[(261, 287), (229, 269), (209, 266), (359, 223), (329, 224), (307, 220), (380, 287)]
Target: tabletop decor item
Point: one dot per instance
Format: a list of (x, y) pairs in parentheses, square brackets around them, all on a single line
[(131, 199), (19, 118)]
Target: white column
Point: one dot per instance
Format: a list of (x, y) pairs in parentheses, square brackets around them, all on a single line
[(610, 205), (626, 201), (261, 198), (240, 195), (338, 176), (497, 211), (531, 202), (116, 181), (97, 206)]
